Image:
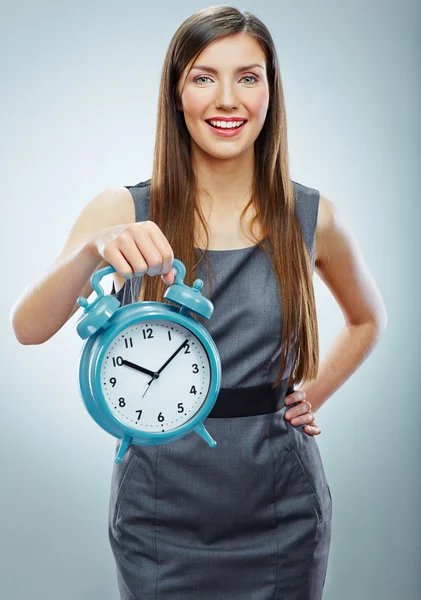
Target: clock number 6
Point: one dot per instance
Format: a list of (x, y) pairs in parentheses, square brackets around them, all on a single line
[(180, 409)]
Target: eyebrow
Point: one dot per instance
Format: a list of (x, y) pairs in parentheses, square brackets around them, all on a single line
[(212, 70)]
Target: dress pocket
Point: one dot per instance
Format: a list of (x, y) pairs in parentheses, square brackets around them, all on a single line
[(308, 458), (307, 483)]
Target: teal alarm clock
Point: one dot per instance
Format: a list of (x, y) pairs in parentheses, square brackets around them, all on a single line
[(149, 373)]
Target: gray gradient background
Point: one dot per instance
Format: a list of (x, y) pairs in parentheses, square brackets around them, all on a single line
[(79, 88)]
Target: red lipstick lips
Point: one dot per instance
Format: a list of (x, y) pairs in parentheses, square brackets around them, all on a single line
[(226, 119), (226, 132)]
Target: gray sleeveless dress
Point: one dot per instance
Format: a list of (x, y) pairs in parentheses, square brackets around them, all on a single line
[(251, 518)]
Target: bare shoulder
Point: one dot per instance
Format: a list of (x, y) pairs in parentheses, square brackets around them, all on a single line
[(325, 217), (116, 204), (111, 206), (341, 266)]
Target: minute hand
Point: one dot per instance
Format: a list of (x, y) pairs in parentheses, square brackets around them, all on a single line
[(173, 356)]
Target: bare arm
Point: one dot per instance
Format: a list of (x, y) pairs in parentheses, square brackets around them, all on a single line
[(341, 266), (45, 306)]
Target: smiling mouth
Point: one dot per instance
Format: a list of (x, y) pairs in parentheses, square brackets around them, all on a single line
[(236, 126)]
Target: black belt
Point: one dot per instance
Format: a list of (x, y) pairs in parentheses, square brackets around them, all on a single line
[(249, 401)]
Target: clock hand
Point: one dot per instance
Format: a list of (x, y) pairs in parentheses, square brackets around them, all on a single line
[(167, 363), (147, 388), (142, 369), (171, 357)]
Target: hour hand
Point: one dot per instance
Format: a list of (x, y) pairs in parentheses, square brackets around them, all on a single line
[(139, 368)]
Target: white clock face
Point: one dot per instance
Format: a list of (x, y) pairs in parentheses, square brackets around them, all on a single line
[(144, 392)]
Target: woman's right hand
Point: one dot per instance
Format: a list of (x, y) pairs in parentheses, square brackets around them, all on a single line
[(135, 249)]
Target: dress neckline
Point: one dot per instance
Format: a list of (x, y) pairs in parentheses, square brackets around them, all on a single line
[(229, 249), (233, 249)]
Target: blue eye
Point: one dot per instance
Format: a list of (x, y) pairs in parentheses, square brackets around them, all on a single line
[(201, 77), (206, 77), (250, 77)]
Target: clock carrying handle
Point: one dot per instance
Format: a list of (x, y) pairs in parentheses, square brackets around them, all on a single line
[(98, 275), (96, 278), (188, 298)]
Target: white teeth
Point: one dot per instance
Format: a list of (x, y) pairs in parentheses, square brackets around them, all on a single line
[(226, 124)]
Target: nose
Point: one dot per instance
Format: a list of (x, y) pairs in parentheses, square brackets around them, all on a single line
[(226, 97)]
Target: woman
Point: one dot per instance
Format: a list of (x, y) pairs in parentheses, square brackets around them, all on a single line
[(251, 518)]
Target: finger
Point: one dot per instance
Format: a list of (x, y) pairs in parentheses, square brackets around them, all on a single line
[(312, 429), (169, 278), (294, 397), (128, 253), (301, 409), (305, 419), (167, 254), (157, 254)]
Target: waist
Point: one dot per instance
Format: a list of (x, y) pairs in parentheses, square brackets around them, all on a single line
[(249, 401)]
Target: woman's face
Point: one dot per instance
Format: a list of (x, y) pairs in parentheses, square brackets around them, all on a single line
[(219, 89)]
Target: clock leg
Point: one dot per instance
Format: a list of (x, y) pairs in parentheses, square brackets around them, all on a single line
[(125, 443), (201, 430)]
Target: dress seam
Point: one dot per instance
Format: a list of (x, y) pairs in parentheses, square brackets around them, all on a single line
[(156, 521), (274, 510), (316, 541)]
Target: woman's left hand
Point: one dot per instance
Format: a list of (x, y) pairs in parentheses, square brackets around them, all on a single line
[(301, 413)]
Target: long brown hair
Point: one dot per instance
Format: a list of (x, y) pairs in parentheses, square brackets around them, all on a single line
[(173, 191)]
